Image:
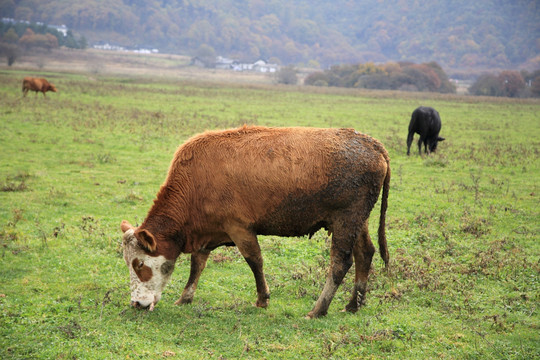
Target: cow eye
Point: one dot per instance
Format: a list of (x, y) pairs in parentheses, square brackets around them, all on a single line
[(137, 264)]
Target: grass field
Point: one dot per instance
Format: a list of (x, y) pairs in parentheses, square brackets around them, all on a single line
[(463, 227)]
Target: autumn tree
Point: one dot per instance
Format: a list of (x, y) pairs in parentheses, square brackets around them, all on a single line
[(32, 40), (507, 83), (511, 83), (535, 86)]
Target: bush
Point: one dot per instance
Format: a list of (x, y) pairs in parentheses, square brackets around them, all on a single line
[(507, 83), (392, 76), (287, 75), (486, 85), (512, 83), (317, 79)]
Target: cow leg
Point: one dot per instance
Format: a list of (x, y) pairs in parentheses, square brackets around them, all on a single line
[(409, 141), (247, 244), (340, 262), (363, 253), (198, 263), (420, 141)]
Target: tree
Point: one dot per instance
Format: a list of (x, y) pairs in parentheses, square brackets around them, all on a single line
[(318, 78), (535, 86), (397, 76), (10, 51), (201, 32), (10, 36), (423, 77), (511, 83), (32, 40), (8, 46), (83, 44), (287, 75), (7, 8), (23, 13), (486, 85), (206, 54)]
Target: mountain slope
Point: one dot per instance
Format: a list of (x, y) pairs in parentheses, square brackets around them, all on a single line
[(455, 33)]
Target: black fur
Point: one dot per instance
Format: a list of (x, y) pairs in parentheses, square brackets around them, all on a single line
[(426, 122)]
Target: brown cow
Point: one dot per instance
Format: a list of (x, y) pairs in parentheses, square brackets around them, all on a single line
[(226, 187), (37, 84)]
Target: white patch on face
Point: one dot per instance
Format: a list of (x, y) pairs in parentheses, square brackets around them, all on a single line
[(154, 270)]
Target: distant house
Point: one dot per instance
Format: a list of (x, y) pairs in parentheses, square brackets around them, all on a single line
[(146, 51), (242, 67), (225, 63), (107, 46), (60, 28), (263, 66), (231, 64)]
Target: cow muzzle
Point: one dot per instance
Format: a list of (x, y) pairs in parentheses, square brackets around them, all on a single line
[(145, 305)]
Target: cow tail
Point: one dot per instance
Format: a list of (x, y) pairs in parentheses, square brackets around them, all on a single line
[(383, 247)]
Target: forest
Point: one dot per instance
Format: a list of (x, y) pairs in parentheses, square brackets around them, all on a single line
[(456, 34)]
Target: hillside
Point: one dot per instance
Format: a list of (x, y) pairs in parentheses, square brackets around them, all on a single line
[(457, 34)]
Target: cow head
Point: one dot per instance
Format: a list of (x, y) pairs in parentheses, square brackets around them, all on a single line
[(52, 88), (149, 272), (434, 143)]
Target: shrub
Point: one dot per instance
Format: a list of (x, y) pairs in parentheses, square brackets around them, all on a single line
[(287, 75), (392, 76), (486, 85), (316, 79), (507, 83)]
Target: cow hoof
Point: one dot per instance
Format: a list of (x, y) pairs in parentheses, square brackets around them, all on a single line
[(350, 309), (313, 315), (261, 304), (183, 301)]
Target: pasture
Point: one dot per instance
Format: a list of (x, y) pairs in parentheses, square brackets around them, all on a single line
[(463, 227)]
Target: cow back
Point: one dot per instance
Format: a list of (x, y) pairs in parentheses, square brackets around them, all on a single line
[(271, 177)]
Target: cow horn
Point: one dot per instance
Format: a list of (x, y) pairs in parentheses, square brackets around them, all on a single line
[(125, 226)]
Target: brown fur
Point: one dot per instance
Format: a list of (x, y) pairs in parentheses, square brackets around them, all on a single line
[(225, 187), (144, 273), (37, 84)]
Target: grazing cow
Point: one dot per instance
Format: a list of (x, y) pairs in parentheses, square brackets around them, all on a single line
[(36, 84), (226, 187), (426, 122)]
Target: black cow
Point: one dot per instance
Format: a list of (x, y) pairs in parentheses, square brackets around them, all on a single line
[(426, 122)]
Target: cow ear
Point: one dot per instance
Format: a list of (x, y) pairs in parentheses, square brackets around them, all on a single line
[(146, 240), (440, 139)]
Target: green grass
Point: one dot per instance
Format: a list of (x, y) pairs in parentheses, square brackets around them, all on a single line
[(463, 228)]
